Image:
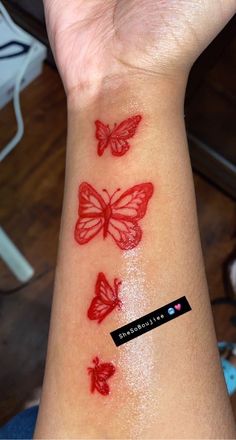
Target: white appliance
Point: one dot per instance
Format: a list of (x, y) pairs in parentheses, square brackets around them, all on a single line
[(21, 61), (12, 56)]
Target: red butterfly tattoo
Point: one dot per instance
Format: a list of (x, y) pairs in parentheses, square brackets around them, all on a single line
[(118, 218), (99, 375), (117, 137), (106, 299)]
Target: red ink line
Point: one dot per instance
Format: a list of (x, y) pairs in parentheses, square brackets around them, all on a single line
[(118, 219), (99, 374), (116, 138), (106, 299)]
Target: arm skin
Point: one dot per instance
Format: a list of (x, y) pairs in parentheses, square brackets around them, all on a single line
[(168, 383)]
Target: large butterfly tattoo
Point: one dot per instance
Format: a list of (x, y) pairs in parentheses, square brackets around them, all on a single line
[(99, 375), (105, 300), (118, 219), (116, 138)]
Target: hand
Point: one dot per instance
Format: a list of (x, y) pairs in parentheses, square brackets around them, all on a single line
[(93, 39)]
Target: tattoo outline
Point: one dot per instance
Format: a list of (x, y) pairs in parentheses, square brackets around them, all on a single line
[(106, 299), (117, 137), (99, 374), (118, 218)]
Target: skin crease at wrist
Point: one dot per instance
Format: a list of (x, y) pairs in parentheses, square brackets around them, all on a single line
[(169, 90)]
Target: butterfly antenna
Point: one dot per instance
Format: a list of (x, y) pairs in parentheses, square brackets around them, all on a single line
[(107, 193), (120, 304), (111, 197), (116, 191), (96, 360), (117, 282)]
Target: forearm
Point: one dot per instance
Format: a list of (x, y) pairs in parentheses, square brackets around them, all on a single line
[(159, 375)]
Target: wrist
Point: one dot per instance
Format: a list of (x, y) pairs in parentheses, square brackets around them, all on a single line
[(130, 90)]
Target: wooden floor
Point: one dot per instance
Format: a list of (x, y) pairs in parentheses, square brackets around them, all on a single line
[(31, 187)]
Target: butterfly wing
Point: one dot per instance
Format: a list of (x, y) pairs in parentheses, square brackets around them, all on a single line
[(104, 291), (98, 310), (130, 207), (132, 204), (91, 214), (102, 373), (102, 135), (105, 370), (104, 301), (127, 234), (120, 134)]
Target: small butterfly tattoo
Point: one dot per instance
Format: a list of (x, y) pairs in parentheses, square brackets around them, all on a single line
[(117, 137), (100, 373), (106, 299)]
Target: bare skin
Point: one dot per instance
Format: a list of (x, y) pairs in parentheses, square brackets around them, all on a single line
[(116, 59), (154, 37)]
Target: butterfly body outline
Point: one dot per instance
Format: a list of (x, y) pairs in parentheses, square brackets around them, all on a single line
[(100, 373), (118, 219), (106, 298), (116, 138)]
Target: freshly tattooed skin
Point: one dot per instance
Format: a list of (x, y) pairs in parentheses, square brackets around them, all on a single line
[(118, 218), (99, 374), (106, 299), (116, 138)]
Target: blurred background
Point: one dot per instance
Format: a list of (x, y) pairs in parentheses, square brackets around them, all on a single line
[(31, 188)]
